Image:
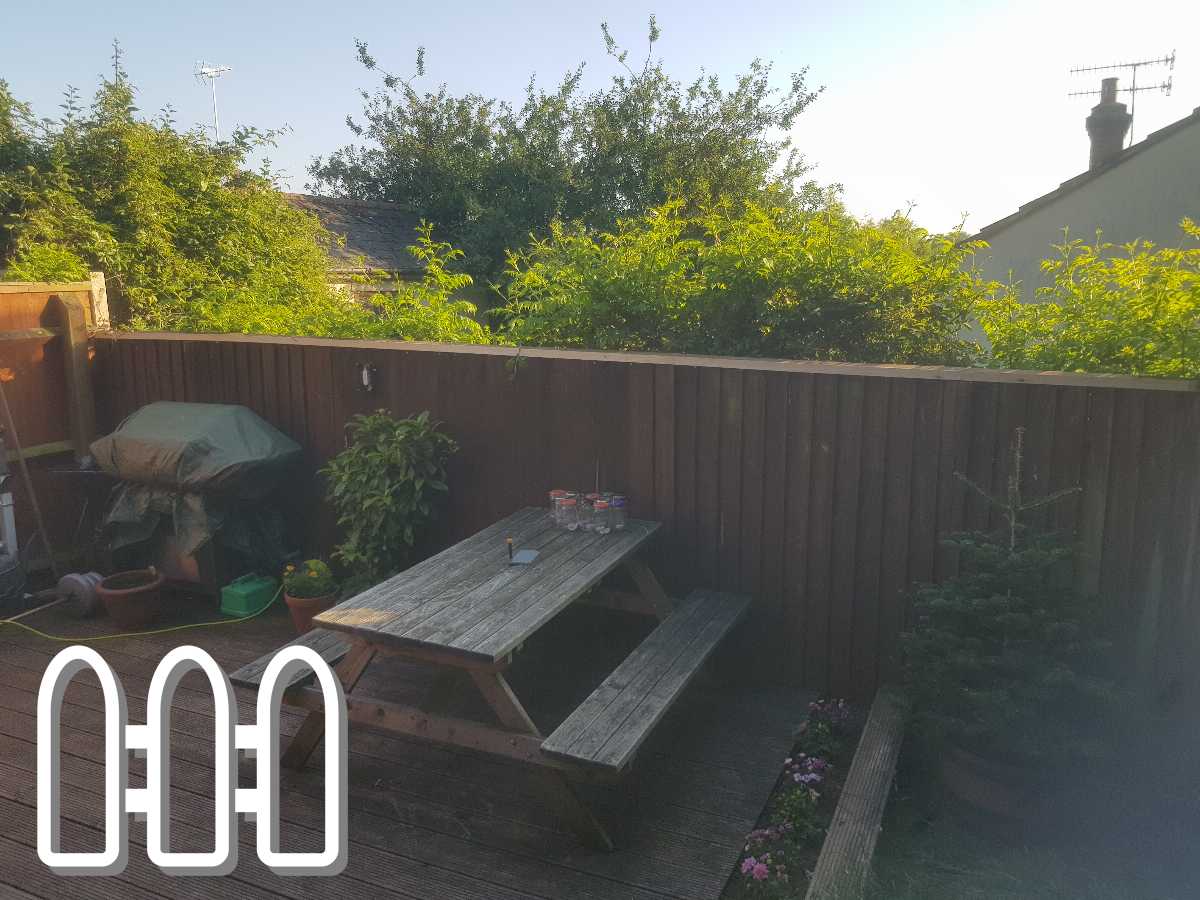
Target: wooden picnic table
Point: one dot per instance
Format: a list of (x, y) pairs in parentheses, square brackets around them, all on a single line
[(470, 607), (467, 610)]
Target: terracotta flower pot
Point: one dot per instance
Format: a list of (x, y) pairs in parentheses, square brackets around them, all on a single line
[(997, 789), (304, 608), (132, 599)]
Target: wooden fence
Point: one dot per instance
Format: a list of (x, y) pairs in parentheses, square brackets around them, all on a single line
[(44, 352), (819, 488)]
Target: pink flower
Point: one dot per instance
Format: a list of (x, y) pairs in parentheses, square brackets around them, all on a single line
[(760, 872)]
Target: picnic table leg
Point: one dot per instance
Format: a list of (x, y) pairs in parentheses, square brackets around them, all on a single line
[(500, 697), (649, 588), (576, 813), (312, 729)]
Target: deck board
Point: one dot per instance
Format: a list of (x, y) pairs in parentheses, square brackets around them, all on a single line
[(425, 821)]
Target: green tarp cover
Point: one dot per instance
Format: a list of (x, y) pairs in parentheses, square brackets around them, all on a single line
[(188, 463)]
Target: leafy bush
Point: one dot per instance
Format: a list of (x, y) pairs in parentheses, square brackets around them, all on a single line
[(190, 240), (490, 174), (748, 280), (1005, 659), (312, 579), (431, 309), (1137, 313), (383, 487)]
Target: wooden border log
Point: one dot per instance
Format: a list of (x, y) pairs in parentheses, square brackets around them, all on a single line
[(845, 860)]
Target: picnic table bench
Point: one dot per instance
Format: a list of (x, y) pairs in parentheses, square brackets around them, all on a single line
[(467, 610)]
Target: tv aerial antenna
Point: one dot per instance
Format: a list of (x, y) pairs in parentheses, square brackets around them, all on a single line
[(1133, 90), (210, 73)]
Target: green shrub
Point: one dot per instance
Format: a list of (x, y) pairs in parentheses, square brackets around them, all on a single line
[(189, 239), (747, 280), (431, 309), (312, 579), (1136, 313), (383, 487)]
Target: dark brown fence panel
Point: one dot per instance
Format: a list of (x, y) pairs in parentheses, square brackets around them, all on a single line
[(820, 489)]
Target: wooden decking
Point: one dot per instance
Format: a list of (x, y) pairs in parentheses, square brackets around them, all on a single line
[(425, 822)]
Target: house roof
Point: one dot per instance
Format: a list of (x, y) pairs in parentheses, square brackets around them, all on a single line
[(377, 234), (1080, 180)]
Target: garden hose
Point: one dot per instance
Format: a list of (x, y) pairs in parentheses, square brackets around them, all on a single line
[(110, 637)]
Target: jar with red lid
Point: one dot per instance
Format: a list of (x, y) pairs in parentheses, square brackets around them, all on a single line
[(568, 513), (601, 523)]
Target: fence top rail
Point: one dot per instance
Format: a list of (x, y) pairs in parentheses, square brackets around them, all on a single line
[(43, 287), (787, 366)]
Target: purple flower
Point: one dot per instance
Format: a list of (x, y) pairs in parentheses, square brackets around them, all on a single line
[(748, 865), (833, 712)]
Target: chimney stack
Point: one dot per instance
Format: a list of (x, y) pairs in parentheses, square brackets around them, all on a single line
[(1107, 125)]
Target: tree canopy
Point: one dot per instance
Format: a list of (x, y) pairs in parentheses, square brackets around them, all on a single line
[(1133, 309), (189, 239), (490, 174)]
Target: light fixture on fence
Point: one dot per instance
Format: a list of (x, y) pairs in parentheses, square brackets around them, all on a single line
[(366, 376)]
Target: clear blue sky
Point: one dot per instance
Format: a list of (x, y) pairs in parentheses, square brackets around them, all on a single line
[(958, 107)]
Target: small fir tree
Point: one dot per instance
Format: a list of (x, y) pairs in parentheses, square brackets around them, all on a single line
[(1005, 658)]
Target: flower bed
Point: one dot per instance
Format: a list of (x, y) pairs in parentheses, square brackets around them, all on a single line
[(782, 851)]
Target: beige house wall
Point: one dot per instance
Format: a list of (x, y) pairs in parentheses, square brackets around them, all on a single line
[(1144, 196)]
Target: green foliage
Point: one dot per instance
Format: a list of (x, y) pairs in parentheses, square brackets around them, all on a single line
[(48, 262), (190, 240), (383, 487), (747, 280), (1136, 313), (820, 739), (16, 152), (313, 579), (798, 807), (490, 174), (1005, 658), (430, 309)]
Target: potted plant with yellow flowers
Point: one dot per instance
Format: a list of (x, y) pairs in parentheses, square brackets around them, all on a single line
[(308, 589)]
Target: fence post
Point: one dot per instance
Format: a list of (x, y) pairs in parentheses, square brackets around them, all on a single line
[(79, 378), (100, 317)]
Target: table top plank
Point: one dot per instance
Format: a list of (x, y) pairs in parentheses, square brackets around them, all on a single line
[(471, 561), (468, 600), (505, 630), (558, 549), (457, 592), (441, 573)]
